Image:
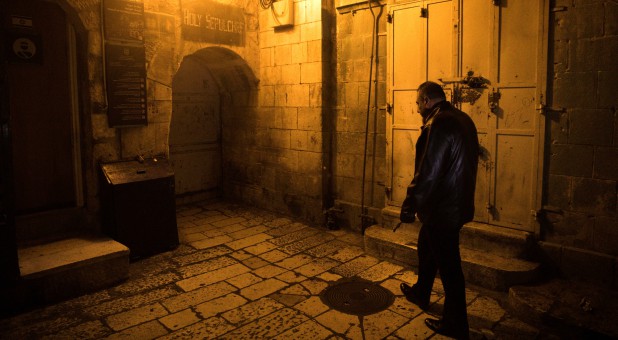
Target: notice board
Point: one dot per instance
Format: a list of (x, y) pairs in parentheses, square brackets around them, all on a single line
[(125, 63)]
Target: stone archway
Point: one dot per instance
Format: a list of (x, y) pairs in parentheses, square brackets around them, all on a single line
[(205, 82)]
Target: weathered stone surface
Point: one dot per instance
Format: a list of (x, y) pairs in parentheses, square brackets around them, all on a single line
[(591, 127)]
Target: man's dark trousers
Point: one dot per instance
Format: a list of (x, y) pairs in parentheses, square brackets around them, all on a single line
[(438, 250)]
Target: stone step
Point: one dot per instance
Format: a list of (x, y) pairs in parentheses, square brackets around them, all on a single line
[(69, 267), (500, 241), (480, 267), (577, 309)]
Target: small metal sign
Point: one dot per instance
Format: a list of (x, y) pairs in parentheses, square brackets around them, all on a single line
[(212, 22), (24, 47), (126, 85)]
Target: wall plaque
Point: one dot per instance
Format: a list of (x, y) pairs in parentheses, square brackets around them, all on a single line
[(212, 22), (126, 84), (124, 20)]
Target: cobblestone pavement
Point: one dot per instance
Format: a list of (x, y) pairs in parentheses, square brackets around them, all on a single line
[(244, 273)]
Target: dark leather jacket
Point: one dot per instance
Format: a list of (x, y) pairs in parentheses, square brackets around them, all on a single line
[(442, 190)]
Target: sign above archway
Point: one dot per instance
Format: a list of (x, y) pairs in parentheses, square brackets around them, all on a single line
[(212, 22)]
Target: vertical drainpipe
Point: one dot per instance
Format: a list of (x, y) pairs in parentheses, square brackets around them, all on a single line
[(329, 96)]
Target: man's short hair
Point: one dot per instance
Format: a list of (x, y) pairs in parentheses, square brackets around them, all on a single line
[(431, 90)]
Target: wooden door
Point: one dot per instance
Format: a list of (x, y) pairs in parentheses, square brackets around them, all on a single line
[(41, 111), (504, 48)]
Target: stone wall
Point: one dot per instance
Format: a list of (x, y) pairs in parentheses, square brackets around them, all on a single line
[(355, 24), (581, 225)]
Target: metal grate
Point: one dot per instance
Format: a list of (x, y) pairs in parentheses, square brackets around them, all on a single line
[(357, 297)]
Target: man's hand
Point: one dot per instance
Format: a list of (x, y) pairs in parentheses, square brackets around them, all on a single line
[(407, 212)]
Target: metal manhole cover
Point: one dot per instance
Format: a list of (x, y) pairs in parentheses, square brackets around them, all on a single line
[(357, 297)]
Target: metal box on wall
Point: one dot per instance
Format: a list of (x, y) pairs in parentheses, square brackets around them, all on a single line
[(138, 205)]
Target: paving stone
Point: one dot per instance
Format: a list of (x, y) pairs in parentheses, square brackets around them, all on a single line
[(291, 277), (262, 289), (380, 271), (316, 267), (211, 242), (315, 286), (269, 325), (484, 312), (194, 297), (255, 262), (308, 243), (306, 330), (202, 255), (393, 286), (249, 232), (233, 228), (227, 221), (329, 277), (124, 303), (326, 248), (206, 266), (208, 329), (511, 328), (338, 322), (379, 325), (288, 300), (212, 277), (147, 283), (244, 280), (180, 319), (286, 229), (355, 266), (347, 254), (149, 330), (296, 289), (248, 241), (405, 308), (295, 236), (211, 219), (212, 233), (219, 305), (87, 330), (415, 329), (261, 248), (135, 316), (295, 261), (252, 311), (313, 306), (241, 255), (269, 271), (274, 256)]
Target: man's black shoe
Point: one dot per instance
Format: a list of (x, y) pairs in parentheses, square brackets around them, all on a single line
[(439, 327), (412, 296)]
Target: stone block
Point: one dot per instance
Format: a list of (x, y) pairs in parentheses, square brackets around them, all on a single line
[(592, 127), (266, 57), (607, 90), (310, 162), (311, 31), (314, 50), (588, 266), (315, 95), (298, 95), (100, 127), (606, 163), (594, 196), (311, 72), (286, 118), (361, 71), (282, 55), (348, 189), (575, 90), (606, 235), (315, 141), (313, 11), (266, 96), (558, 191), (586, 21), (349, 165), (286, 36), (605, 50), (298, 140), (281, 95), (571, 160), (559, 127), (350, 142), (300, 12), (278, 138), (310, 119), (270, 75), (299, 53), (572, 229), (560, 24), (290, 74), (352, 99), (560, 55)]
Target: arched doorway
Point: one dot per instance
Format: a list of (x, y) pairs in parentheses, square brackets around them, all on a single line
[(205, 83)]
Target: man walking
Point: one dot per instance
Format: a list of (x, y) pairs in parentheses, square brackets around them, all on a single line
[(441, 194)]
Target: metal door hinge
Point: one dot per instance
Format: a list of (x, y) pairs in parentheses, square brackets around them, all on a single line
[(493, 99), (389, 108), (423, 12), (496, 2), (389, 18), (388, 191)]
